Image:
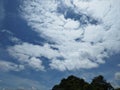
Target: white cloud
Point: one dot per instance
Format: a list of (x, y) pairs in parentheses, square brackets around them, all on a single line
[(71, 65), (6, 31), (95, 42), (9, 66), (70, 24), (31, 50), (115, 83), (117, 75), (36, 63), (30, 54), (95, 7), (118, 65)]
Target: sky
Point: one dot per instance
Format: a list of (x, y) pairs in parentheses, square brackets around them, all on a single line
[(43, 41)]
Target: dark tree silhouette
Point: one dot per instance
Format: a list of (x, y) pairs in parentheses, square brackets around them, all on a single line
[(101, 84), (71, 83), (75, 83), (117, 89)]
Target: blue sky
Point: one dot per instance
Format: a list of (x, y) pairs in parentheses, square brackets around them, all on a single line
[(42, 42)]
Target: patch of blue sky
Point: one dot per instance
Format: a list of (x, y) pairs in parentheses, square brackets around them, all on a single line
[(84, 19), (15, 24), (18, 26)]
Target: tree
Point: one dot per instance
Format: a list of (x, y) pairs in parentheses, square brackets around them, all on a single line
[(117, 89), (87, 87), (71, 83), (100, 83), (75, 83)]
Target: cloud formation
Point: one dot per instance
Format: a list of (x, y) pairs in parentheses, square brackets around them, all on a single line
[(9, 66), (29, 54), (118, 65), (117, 75), (83, 32)]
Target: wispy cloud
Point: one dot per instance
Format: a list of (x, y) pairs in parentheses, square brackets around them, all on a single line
[(84, 32), (20, 83), (118, 65), (116, 81), (9, 66), (117, 75)]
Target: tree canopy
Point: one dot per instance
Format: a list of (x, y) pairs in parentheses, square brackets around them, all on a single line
[(75, 83)]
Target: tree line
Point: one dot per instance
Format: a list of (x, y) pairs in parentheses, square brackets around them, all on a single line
[(75, 83)]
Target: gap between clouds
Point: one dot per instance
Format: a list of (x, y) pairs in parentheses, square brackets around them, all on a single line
[(77, 45), (2, 12)]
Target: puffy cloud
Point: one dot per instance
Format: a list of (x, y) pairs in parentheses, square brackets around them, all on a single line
[(36, 63), (30, 54), (92, 8), (71, 24), (31, 50), (9, 66), (84, 31)]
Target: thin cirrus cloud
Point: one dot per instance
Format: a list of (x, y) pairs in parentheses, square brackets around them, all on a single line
[(118, 65), (20, 83), (83, 33), (9, 66), (117, 75)]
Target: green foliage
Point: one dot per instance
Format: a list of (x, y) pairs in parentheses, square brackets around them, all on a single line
[(75, 83)]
